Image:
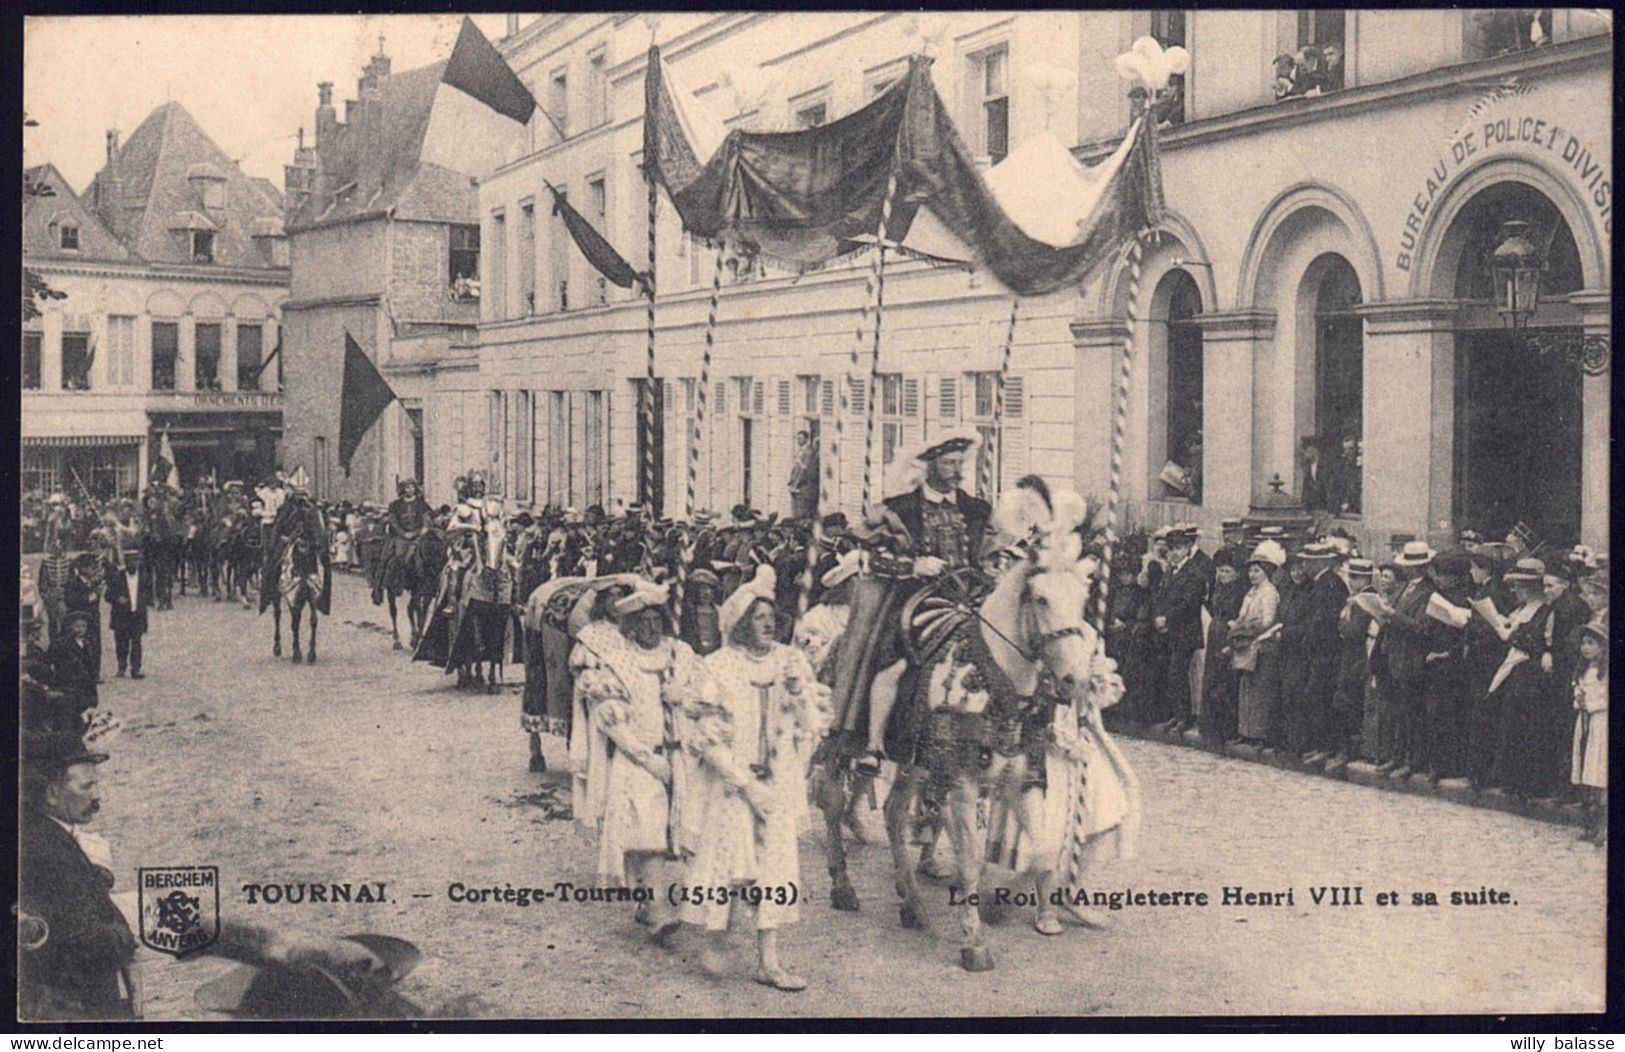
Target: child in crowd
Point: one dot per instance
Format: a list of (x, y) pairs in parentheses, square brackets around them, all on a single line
[(1590, 767)]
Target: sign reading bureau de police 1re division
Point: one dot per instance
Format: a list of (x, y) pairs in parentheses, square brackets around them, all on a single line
[(180, 908)]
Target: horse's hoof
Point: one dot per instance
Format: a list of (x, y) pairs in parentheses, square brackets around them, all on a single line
[(931, 869), (976, 958), (911, 919), (298, 656), (493, 687), (310, 658), (844, 896), (1048, 924), (398, 645), (276, 650)]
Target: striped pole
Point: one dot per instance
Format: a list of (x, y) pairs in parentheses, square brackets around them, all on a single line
[(1120, 396), (648, 399), (878, 277), (685, 561), (996, 439), (705, 378)]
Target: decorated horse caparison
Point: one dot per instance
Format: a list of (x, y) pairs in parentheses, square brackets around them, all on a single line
[(998, 693), (470, 630)]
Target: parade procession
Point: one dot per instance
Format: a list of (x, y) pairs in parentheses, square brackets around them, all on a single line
[(907, 580)]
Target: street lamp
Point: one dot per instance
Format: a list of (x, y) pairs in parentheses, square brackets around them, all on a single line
[(1515, 267)]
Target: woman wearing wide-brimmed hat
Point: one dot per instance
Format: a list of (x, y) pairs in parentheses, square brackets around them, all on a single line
[(1518, 689), (1252, 644)]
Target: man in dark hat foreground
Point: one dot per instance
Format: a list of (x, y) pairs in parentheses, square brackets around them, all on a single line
[(75, 947)]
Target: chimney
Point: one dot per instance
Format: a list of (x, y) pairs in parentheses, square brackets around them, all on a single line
[(106, 188), (513, 24), (326, 119), (349, 110)]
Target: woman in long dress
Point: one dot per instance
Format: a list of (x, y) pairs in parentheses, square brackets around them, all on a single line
[(1590, 752), (747, 789), (1252, 644)]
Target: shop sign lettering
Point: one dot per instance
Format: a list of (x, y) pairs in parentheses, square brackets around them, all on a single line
[(1528, 132)]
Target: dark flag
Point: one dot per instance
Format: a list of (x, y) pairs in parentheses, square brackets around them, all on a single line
[(478, 70), (599, 252), (364, 396)]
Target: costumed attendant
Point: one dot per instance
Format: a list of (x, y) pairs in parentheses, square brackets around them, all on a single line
[(750, 744), (825, 623), (1590, 760), (635, 689)]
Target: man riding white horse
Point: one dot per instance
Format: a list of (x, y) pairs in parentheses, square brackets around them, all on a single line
[(924, 535)]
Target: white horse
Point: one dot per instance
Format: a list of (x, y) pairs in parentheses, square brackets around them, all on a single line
[(1004, 687)]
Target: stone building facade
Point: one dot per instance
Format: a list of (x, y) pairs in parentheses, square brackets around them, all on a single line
[(385, 245), (174, 268), (1322, 271)]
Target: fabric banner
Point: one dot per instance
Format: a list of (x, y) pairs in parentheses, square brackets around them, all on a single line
[(364, 396), (599, 252), (477, 69), (806, 197)]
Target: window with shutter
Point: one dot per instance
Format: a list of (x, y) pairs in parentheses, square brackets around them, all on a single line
[(722, 398), (784, 397), (911, 397), (1014, 398), (858, 398), (756, 399), (828, 400), (948, 401), (667, 392)]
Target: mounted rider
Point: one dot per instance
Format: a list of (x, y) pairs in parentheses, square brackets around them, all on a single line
[(297, 517), (409, 517), (930, 536)]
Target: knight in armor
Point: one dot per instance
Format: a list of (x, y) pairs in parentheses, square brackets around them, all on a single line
[(925, 538), (407, 520)]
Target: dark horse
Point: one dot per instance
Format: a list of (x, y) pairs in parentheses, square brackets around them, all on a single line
[(299, 575), (416, 574)]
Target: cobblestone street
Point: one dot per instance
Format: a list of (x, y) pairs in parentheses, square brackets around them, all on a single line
[(367, 768)]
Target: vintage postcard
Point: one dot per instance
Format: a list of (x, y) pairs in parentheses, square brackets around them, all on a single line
[(784, 514)]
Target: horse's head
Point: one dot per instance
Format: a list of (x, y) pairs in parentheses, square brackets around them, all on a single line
[(496, 541), (1041, 600), (1053, 600)]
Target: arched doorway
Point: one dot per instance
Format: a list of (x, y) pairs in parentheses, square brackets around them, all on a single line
[(1175, 432), (1518, 415), (1332, 371)]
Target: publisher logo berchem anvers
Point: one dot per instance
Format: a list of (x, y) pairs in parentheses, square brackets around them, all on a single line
[(180, 908)]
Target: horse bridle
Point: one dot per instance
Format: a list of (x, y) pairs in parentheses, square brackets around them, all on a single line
[(1042, 640)]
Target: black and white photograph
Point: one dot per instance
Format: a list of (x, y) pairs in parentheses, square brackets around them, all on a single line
[(880, 515)]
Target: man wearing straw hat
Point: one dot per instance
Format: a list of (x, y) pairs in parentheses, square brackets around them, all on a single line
[(1404, 647)]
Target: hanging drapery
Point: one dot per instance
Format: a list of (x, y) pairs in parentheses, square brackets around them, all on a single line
[(594, 247), (809, 196)]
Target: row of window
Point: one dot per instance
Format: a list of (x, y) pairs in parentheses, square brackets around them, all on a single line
[(79, 351)]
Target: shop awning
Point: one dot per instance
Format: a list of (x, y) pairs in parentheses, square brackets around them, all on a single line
[(82, 440)]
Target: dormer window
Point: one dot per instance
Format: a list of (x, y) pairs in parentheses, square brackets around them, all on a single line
[(203, 246), (69, 237), (210, 184)]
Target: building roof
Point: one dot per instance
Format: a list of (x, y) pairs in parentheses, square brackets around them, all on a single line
[(373, 164), (44, 215), (154, 192)]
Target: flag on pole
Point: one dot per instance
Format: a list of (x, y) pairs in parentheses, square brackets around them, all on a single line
[(165, 467), (269, 358), (599, 252), (480, 112), (364, 396), (478, 70)]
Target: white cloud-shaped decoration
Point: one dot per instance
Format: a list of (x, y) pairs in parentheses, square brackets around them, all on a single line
[(1149, 65)]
